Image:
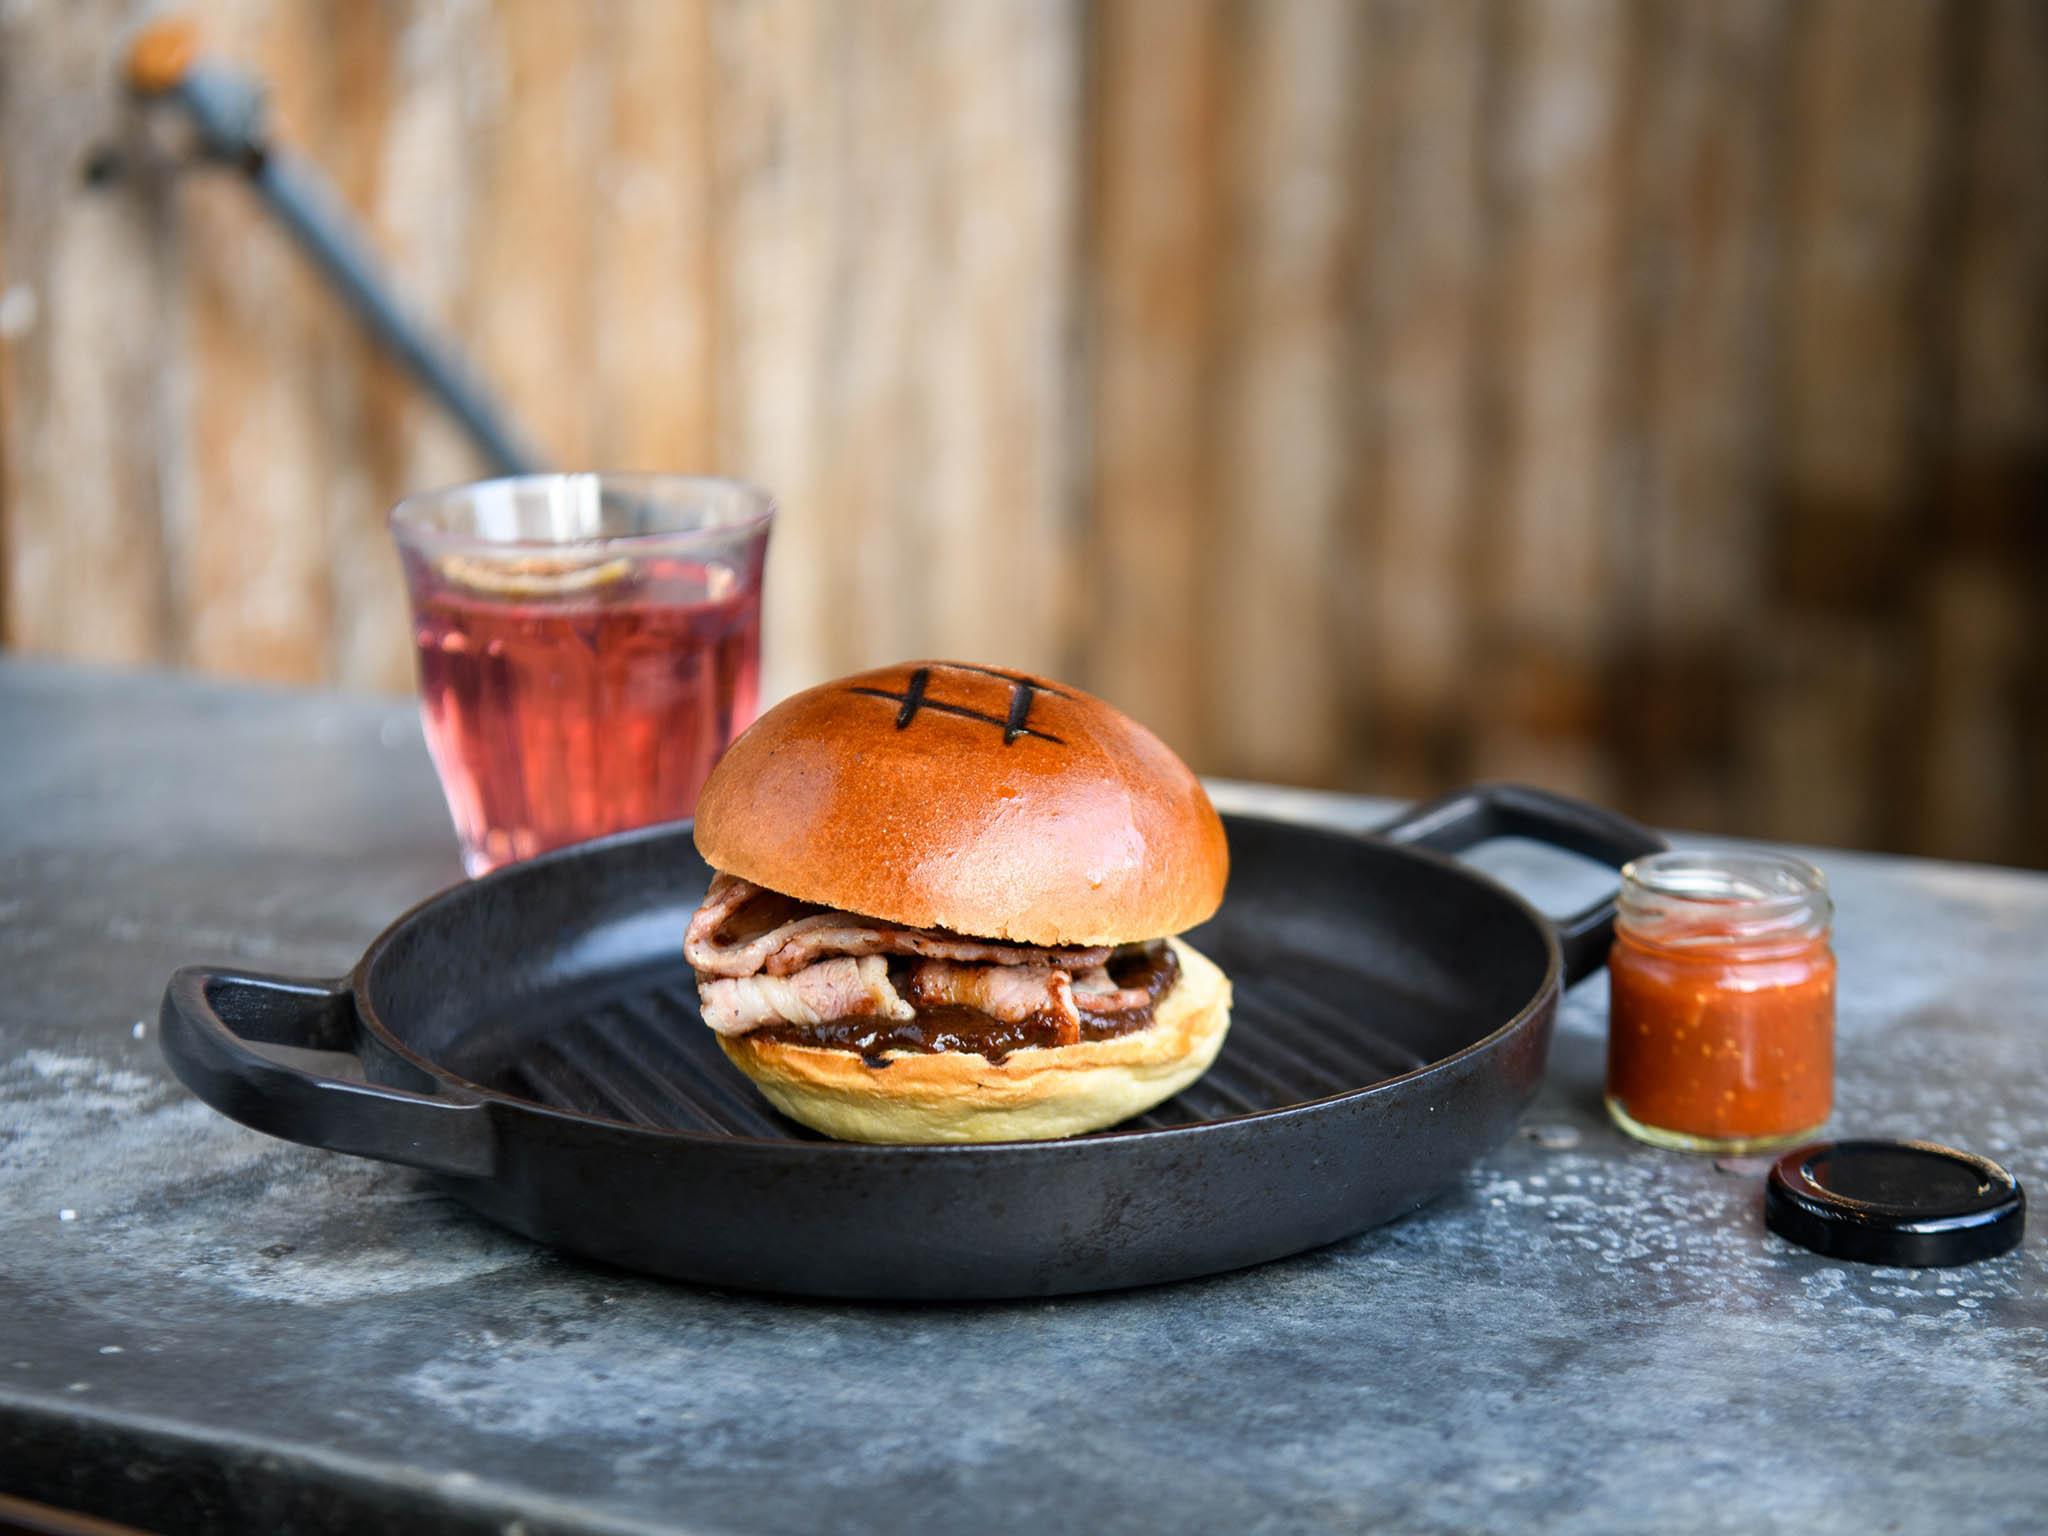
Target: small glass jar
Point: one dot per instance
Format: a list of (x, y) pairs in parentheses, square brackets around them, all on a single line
[(1721, 1029)]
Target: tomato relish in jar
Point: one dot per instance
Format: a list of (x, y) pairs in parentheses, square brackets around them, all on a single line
[(1721, 1030)]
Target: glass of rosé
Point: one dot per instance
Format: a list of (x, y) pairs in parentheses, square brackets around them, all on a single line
[(588, 645)]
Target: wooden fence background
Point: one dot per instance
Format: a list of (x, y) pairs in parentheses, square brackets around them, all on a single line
[(1649, 399)]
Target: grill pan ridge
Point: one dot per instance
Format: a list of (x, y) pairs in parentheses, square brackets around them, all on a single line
[(532, 1041), (644, 1058)]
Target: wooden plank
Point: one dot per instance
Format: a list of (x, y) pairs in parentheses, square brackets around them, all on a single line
[(359, 397), (83, 353), (895, 189), (772, 300), (1810, 719), (1981, 618), (446, 96), (1863, 113), (1699, 216), (998, 329), (1282, 483), (249, 507), (652, 270), (537, 221), (1695, 409), (1985, 729), (422, 101), (1556, 172), (1154, 255), (2001, 287), (279, 347), (1409, 640)]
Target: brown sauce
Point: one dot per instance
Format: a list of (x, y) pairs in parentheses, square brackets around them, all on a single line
[(974, 1033)]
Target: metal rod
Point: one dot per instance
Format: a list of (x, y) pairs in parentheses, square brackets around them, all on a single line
[(300, 197), (227, 111)]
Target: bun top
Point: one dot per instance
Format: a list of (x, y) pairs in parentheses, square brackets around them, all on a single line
[(938, 794)]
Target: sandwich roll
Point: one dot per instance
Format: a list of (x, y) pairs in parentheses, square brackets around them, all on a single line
[(946, 907)]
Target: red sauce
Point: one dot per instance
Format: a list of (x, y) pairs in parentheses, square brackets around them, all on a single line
[(1722, 1039)]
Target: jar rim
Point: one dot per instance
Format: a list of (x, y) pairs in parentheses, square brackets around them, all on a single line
[(1745, 893)]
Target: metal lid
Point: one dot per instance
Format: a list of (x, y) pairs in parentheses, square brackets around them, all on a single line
[(1913, 1203)]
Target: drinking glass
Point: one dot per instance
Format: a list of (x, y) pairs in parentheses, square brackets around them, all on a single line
[(588, 645)]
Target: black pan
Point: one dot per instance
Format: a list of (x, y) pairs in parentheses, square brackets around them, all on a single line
[(531, 1040)]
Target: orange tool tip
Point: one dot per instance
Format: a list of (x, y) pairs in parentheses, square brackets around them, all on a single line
[(160, 55)]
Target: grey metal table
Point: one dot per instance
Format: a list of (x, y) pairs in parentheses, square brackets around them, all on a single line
[(200, 1326)]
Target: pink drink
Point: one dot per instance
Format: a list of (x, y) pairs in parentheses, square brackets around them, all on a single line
[(553, 721), (569, 693)]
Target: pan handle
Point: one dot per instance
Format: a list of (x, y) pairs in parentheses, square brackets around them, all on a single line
[(1469, 817), (209, 1017)]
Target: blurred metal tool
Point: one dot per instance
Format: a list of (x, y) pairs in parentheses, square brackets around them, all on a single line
[(227, 111)]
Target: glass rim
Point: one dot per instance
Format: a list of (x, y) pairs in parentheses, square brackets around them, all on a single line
[(404, 519)]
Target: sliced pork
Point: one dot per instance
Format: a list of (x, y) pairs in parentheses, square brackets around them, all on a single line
[(764, 959), (1146, 971), (1095, 992), (843, 988), (862, 936), (723, 942)]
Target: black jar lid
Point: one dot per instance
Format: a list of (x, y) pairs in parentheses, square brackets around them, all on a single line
[(1912, 1203)]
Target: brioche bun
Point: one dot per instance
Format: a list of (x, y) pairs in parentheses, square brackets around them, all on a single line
[(941, 794), (1034, 1094)]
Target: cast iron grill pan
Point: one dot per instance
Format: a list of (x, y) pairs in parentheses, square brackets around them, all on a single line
[(642, 1055), (532, 1040)]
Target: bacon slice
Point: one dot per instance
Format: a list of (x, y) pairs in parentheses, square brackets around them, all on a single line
[(843, 988), (788, 947)]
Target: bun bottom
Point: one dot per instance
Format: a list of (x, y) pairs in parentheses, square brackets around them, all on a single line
[(1036, 1094)]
